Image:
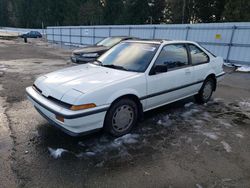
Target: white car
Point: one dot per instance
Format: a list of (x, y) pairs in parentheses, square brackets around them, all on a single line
[(131, 78)]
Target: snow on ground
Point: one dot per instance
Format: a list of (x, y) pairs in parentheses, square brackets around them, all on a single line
[(198, 185), (56, 153), (226, 146), (245, 104), (127, 139), (239, 68), (210, 135), (201, 121), (243, 69), (3, 67), (188, 104), (239, 135), (164, 121), (104, 145)]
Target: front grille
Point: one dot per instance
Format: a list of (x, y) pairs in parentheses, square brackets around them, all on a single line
[(59, 103)]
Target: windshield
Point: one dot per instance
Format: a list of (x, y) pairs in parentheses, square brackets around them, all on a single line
[(109, 42), (129, 56)]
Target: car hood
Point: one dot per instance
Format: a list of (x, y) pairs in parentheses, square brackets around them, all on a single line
[(90, 49), (70, 83)]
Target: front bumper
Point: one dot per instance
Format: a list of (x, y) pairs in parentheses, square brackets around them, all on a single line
[(75, 122)]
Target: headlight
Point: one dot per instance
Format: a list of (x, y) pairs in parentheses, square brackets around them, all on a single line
[(82, 107), (90, 55)]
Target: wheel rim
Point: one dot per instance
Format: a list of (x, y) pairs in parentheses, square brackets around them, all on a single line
[(207, 91), (123, 118)]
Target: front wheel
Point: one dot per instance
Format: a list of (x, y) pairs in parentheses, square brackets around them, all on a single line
[(121, 117), (206, 91)]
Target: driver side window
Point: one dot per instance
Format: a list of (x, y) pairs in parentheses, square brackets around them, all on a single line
[(172, 57)]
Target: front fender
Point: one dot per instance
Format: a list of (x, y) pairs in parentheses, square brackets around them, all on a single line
[(121, 93)]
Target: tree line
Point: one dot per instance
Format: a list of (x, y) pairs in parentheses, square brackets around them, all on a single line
[(38, 13)]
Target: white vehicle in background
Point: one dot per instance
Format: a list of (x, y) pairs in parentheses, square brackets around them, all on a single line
[(131, 78)]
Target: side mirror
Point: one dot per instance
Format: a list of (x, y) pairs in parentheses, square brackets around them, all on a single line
[(159, 69)]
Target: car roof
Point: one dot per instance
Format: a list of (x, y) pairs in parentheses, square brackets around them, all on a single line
[(161, 41), (123, 37)]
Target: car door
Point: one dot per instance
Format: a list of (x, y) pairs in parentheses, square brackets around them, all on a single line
[(200, 62), (170, 76)]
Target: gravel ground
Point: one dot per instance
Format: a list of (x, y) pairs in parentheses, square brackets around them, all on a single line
[(179, 145)]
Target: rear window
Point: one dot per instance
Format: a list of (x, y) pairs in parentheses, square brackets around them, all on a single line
[(208, 51), (197, 55)]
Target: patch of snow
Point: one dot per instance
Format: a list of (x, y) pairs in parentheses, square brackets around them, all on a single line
[(188, 104), (81, 144), (100, 164), (196, 149), (226, 146), (198, 185), (226, 179), (225, 124), (3, 68), (207, 143), (239, 135), (127, 139), (90, 154), (165, 121), (217, 100), (210, 135), (189, 140), (197, 126), (189, 113), (244, 104), (243, 69), (56, 153)]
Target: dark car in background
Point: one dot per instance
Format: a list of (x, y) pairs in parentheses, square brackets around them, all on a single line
[(91, 53), (32, 34)]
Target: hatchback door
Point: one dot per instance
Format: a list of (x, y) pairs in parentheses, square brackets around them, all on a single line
[(171, 77)]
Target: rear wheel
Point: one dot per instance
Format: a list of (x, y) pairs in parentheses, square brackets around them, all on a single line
[(206, 91), (121, 117)]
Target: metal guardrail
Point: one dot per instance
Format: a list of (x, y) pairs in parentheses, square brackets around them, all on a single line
[(227, 43)]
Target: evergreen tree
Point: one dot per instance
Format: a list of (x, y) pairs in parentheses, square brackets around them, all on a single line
[(237, 11)]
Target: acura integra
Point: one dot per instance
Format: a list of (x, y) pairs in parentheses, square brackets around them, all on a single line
[(131, 78)]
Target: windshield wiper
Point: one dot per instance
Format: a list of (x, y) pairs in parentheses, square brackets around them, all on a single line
[(116, 67)]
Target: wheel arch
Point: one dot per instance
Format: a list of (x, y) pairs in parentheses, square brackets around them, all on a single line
[(213, 77), (133, 97)]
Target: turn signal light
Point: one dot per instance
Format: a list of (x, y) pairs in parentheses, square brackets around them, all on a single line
[(82, 107)]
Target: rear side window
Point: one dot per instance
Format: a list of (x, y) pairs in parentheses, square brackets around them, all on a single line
[(197, 55), (173, 56)]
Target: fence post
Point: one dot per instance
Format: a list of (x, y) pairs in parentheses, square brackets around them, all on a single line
[(109, 31), (154, 32), (93, 35), (70, 36), (53, 35), (231, 42), (61, 36), (81, 36), (187, 28)]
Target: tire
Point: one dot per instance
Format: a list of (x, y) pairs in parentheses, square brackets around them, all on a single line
[(206, 91), (121, 117)]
